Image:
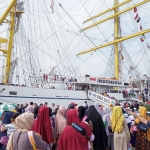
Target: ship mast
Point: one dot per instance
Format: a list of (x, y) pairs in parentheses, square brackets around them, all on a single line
[(11, 11), (117, 39), (116, 36)]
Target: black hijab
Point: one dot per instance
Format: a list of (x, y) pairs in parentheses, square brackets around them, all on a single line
[(100, 141), (36, 110), (70, 106), (56, 110), (81, 112), (50, 112)]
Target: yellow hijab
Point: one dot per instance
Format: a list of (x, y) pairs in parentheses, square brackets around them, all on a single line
[(142, 111), (117, 119)]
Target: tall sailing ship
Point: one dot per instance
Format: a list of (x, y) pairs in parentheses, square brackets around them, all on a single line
[(41, 44)]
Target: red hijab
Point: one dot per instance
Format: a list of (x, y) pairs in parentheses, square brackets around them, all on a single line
[(42, 125), (76, 140)]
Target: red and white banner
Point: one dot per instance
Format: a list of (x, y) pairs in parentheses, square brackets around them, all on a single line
[(92, 79)]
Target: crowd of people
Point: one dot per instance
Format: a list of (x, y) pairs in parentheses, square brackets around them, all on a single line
[(94, 127)]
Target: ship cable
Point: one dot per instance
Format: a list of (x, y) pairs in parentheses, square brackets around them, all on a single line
[(86, 36)]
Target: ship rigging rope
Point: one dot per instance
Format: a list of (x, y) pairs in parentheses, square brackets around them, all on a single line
[(106, 40), (141, 43), (90, 40), (99, 30), (57, 39), (43, 52), (61, 17), (94, 22), (25, 43), (85, 42)]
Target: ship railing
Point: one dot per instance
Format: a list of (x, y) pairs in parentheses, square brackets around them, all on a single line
[(106, 101), (135, 99)]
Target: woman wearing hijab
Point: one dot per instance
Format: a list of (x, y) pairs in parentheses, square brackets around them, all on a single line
[(19, 139), (29, 109), (71, 139), (99, 110), (52, 121), (94, 114), (120, 129), (72, 105), (36, 110), (60, 121), (43, 126), (106, 120), (142, 139), (82, 117)]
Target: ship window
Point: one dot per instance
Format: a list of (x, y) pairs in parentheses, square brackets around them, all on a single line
[(12, 93), (58, 96)]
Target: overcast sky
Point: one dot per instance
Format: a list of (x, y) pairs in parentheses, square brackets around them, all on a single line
[(44, 38)]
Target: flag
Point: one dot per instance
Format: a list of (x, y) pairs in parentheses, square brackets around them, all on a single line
[(141, 27), (52, 4), (143, 38), (135, 9), (148, 46), (137, 18)]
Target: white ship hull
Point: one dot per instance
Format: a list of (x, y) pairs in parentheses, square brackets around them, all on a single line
[(21, 95)]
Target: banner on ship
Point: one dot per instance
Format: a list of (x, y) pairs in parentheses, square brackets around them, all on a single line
[(109, 82), (101, 99)]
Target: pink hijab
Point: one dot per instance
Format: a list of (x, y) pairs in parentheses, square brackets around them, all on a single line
[(60, 120), (29, 109)]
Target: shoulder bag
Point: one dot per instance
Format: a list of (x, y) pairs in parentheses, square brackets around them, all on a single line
[(142, 127), (32, 141), (81, 130)]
